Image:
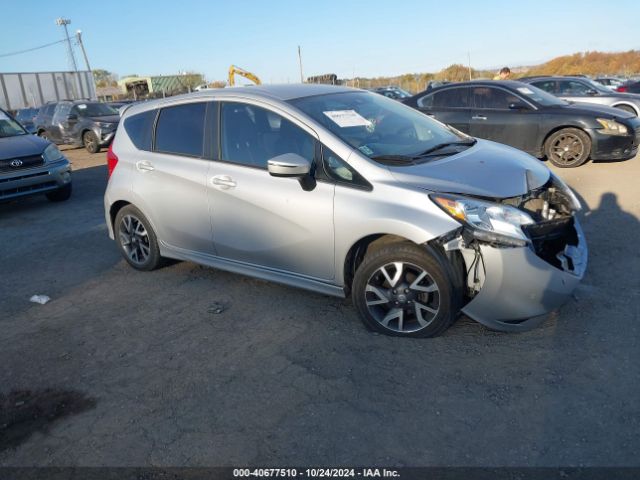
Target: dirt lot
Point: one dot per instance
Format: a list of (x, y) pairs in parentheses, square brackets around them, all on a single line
[(128, 368)]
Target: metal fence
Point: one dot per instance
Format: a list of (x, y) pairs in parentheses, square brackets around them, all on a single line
[(22, 90)]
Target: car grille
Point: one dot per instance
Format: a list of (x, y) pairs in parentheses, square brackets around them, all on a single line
[(30, 188), (26, 162), (550, 238)]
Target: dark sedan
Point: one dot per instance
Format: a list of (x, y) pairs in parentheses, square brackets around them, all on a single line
[(525, 117)]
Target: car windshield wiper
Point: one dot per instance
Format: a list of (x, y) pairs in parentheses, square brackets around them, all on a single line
[(440, 146), (394, 159)]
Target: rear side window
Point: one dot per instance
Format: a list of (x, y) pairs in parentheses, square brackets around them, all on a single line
[(451, 98), (547, 86), (180, 129), (139, 128)]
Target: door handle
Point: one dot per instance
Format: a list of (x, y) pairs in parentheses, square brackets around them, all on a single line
[(223, 181), (144, 166), (478, 117)]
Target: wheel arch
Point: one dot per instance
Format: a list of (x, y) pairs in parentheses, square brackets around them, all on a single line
[(115, 208), (627, 104), (557, 129)]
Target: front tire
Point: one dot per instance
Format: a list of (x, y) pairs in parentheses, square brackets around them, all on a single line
[(404, 290), (60, 195), (91, 142), (136, 239), (568, 148)]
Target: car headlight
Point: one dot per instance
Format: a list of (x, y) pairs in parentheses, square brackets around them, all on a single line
[(489, 222), (52, 154), (611, 127)]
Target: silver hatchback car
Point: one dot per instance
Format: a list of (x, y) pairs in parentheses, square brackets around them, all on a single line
[(344, 191)]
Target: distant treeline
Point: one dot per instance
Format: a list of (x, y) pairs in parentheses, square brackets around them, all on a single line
[(586, 63)]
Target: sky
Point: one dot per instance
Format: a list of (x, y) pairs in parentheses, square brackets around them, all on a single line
[(350, 38)]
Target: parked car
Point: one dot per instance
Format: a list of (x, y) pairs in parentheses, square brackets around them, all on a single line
[(532, 120), (30, 165), (609, 82), (343, 191), (578, 89), (396, 93), (26, 117), (629, 87), (78, 122)]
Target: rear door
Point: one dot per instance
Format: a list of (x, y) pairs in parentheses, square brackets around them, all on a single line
[(450, 105), (263, 220), (504, 117), (171, 180)]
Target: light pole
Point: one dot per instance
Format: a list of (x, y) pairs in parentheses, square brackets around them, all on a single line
[(64, 22), (84, 53)]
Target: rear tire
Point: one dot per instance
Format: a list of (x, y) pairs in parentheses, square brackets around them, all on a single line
[(568, 148), (91, 142), (627, 108), (136, 239), (405, 290), (61, 194)]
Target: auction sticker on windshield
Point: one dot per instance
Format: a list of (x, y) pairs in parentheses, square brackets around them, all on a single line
[(347, 118), (525, 90)]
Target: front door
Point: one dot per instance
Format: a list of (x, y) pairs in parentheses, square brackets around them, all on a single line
[(263, 220), (502, 116)]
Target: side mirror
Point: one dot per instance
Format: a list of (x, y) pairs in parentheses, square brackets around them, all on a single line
[(289, 165), (72, 117), (518, 106)]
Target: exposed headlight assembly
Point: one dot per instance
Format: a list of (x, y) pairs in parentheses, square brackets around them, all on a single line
[(489, 222), (611, 127), (52, 154)]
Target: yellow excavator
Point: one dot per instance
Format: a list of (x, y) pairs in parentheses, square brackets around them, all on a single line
[(233, 71)]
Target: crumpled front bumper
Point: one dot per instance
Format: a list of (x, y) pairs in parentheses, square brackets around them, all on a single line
[(520, 287)]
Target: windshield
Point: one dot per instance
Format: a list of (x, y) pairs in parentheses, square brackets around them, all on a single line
[(540, 96), (9, 127), (377, 125), (95, 110)]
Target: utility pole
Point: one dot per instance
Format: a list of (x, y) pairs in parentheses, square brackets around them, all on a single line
[(84, 53), (300, 62), (64, 22)]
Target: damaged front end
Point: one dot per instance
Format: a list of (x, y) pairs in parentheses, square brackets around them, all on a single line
[(523, 256)]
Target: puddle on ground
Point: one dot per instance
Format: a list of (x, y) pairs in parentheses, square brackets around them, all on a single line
[(24, 412)]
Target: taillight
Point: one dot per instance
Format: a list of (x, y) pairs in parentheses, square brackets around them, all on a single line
[(112, 160), (621, 88)]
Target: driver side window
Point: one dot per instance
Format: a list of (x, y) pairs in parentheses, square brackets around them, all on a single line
[(252, 135)]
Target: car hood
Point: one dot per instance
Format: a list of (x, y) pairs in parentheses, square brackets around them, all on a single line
[(107, 119), (21, 146), (595, 109), (487, 169)]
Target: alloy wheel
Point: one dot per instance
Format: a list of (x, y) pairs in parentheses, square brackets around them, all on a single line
[(567, 148), (134, 239), (402, 297)]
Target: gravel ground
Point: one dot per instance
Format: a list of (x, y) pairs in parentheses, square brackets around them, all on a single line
[(123, 368)]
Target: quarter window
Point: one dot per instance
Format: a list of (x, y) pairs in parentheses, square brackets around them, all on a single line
[(180, 129), (252, 135), (139, 128)]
